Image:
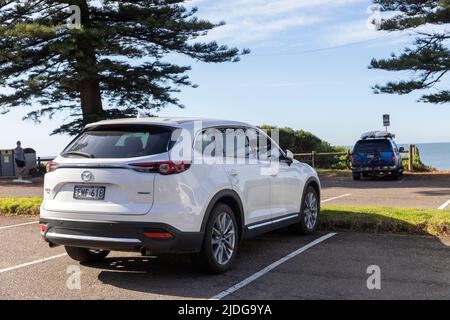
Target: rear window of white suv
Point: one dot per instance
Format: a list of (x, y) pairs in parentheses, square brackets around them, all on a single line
[(124, 141)]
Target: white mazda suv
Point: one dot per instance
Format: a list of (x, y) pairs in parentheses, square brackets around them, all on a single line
[(174, 185)]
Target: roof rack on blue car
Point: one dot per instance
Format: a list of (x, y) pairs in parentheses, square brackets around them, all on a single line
[(377, 135)]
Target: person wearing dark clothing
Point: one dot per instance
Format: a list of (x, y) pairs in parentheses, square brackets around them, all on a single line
[(19, 157)]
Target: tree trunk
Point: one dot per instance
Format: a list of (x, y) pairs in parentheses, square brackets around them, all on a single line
[(89, 83)]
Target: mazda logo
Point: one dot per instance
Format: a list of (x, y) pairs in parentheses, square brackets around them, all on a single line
[(87, 176)]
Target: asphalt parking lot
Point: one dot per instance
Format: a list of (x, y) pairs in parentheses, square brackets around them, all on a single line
[(412, 267), (423, 191)]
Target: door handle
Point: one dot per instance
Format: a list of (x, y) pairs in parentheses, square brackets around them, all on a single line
[(233, 172)]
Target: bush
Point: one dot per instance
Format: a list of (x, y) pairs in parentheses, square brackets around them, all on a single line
[(20, 206)]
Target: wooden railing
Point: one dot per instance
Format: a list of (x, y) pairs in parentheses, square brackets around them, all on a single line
[(313, 157)]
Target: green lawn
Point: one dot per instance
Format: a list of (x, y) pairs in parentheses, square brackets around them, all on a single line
[(380, 219)]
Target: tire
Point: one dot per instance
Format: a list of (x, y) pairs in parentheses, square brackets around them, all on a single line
[(86, 255), (309, 214), (356, 176), (220, 243)]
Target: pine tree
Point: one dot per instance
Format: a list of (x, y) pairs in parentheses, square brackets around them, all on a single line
[(429, 57), (109, 65)]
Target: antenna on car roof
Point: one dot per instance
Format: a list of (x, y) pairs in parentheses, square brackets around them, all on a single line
[(141, 115)]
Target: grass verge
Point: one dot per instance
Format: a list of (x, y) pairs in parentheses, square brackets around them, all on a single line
[(386, 220), (20, 206)]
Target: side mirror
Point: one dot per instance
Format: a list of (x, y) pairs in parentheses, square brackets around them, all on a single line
[(401, 149), (289, 155)]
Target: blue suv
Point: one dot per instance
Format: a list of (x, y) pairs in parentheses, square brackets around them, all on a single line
[(377, 154)]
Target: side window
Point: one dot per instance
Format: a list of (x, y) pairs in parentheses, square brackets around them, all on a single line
[(268, 150), (252, 136), (210, 142), (264, 147), (241, 143)]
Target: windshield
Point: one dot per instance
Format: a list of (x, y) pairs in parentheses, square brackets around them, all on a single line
[(123, 141), (380, 145)]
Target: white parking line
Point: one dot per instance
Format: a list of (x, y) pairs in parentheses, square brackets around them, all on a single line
[(32, 262), (445, 205), (19, 225), (338, 197), (269, 268)]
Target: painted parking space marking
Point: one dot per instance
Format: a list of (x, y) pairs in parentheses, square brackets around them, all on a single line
[(270, 267), (444, 205), (23, 265), (19, 225), (338, 197)]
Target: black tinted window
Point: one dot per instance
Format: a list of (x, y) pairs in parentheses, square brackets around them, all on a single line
[(121, 142), (373, 146)]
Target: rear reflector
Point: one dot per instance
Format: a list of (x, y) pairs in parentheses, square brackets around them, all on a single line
[(158, 235), (42, 227)]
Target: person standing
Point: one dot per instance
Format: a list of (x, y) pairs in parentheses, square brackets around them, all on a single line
[(19, 157)]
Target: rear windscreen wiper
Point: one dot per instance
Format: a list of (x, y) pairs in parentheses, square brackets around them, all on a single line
[(78, 153)]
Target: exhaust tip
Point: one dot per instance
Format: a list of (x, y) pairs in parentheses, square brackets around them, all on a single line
[(145, 252), (53, 245)]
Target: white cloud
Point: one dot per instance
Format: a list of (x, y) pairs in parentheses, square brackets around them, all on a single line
[(351, 32), (358, 31), (250, 21), (250, 30)]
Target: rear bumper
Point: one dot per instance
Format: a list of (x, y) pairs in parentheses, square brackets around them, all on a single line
[(119, 236), (377, 168)]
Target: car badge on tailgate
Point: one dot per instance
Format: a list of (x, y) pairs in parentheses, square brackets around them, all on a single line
[(87, 176)]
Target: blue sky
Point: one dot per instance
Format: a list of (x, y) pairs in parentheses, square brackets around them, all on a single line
[(285, 81)]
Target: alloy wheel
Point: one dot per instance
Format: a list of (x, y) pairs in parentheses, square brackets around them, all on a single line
[(310, 210), (223, 238)]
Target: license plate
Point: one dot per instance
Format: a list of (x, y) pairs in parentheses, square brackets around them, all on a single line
[(370, 156), (89, 193)]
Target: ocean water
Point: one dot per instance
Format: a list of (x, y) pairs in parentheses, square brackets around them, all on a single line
[(436, 155)]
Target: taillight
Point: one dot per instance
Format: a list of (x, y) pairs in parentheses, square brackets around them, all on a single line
[(42, 228), (163, 167), (51, 166)]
